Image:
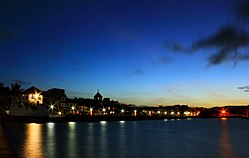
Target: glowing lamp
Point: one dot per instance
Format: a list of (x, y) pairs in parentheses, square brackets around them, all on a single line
[(59, 113), (187, 113), (135, 112), (149, 113), (36, 96), (91, 111)]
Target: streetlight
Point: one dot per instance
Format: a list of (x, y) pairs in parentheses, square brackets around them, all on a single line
[(223, 112), (73, 108), (104, 111), (122, 112), (36, 96), (52, 107), (187, 113), (59, 113), (149, 113), (135, 112), (91, 111)]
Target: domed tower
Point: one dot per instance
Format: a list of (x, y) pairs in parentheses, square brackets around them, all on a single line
[(98, 96)]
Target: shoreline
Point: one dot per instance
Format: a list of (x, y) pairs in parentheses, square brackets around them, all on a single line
[(95, 118)]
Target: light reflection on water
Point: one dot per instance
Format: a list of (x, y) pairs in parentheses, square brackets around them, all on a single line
[(71, 139), (179, 138), (49, 145), (226, 149), (33, 142), (121, 140), (90, 141), (103, 141)]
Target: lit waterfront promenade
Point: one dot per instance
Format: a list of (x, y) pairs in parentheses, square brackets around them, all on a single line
[(96, 118)]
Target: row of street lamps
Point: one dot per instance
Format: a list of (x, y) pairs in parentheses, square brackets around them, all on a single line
[(73, 108)]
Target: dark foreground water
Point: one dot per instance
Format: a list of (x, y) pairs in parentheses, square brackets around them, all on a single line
[(194, 138)]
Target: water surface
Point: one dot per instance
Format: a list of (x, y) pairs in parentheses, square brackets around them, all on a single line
[(214, 138)]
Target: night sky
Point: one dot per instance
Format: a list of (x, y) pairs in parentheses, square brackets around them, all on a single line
[(143, 52)]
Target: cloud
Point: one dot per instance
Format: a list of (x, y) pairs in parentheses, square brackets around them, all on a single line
[(177, 47), (79, 94), (244, 57), (213, 95), (228, 36), (242, 10), (162, 60), (21, 82), (244, 88), (165, 59), (138, 71), (227, 43)]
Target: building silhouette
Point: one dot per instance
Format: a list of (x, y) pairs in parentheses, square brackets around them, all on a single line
[(98, 96)]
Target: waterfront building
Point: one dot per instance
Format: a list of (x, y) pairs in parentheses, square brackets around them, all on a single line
[(56, 96), (31, 104), (32, 95)]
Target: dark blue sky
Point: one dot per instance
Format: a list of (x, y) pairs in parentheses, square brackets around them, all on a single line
[(121, 48)]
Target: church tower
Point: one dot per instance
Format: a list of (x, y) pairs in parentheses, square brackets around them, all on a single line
[(98, 96)]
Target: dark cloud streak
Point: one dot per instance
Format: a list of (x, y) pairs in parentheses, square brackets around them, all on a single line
[(227, 42), (178, 48), (21, 82), (165, 59), (138, 71), (228, 36), (242, 10), (244, 88)]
